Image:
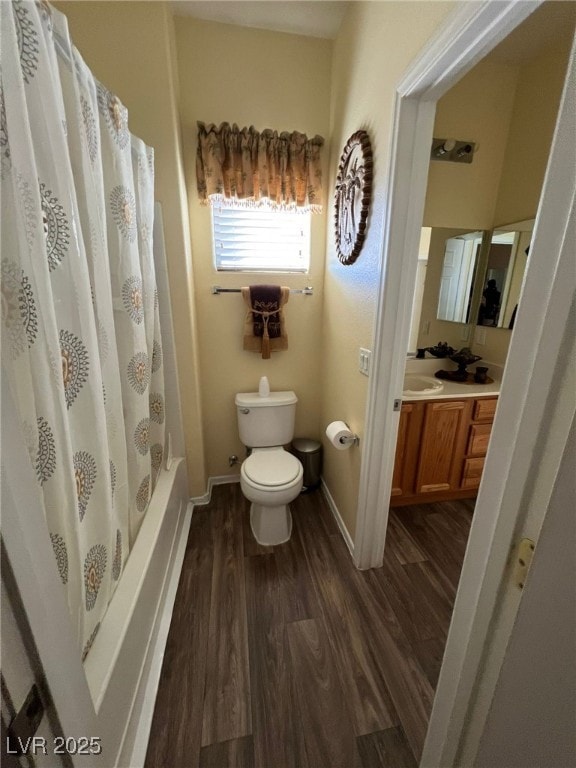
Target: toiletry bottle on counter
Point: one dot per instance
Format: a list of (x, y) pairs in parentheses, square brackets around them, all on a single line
[(264, 387)]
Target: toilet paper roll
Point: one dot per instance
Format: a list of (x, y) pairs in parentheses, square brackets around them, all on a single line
[(335, 431)]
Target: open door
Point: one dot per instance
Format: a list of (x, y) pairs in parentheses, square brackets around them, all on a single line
[(454, 273)]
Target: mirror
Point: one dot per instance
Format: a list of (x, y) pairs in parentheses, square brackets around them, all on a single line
[(454, 267), (482, 275), (502, 268)]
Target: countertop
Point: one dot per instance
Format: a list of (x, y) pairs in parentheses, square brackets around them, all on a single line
[(453, 389)]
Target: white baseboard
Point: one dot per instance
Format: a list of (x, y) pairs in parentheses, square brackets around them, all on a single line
[(156, 650), (222, 480), (334, 509), (212, 481), (199, 501)]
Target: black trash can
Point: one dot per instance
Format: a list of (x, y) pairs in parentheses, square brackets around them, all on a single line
[(309, 453)]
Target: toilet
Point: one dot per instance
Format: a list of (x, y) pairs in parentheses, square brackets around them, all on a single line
[(270, 477)]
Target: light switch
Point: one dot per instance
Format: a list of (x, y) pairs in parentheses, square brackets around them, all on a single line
[(364, 358)]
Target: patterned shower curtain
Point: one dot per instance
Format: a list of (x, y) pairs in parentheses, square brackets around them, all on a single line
[(80, 324)]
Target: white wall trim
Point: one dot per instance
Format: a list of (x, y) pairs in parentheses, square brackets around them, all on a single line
[(212, 481), (413, 123), (143, 724), (337, 516), (471, 31), (199, 501), (222, 480)]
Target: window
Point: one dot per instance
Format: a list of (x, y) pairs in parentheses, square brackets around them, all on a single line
[(260, 239)]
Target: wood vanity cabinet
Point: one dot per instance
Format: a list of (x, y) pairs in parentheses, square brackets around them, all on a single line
[(440, 449)]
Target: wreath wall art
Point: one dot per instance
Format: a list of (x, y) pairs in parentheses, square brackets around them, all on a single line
[(353, 195)]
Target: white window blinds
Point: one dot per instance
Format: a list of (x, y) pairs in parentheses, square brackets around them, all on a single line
[(260, 240)]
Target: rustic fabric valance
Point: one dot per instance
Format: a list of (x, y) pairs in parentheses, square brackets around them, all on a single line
[(258, 168)]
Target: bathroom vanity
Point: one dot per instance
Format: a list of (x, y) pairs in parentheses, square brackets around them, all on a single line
[(442, 442)]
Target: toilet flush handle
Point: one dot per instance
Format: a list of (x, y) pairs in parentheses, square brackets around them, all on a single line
[(245, 410)]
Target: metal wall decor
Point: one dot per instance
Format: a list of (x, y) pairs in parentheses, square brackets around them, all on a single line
[(352, 198)]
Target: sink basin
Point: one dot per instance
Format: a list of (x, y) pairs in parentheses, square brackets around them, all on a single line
[(416, 384)]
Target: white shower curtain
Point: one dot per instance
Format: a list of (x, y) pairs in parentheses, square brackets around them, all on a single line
[(80, 325)]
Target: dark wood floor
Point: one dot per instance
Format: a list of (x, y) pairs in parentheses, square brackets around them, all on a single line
[(289, 657)]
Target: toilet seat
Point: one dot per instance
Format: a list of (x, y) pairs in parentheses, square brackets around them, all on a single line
[(271, 468)]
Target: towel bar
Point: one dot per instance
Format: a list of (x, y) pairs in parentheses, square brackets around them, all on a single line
[(308, 290)]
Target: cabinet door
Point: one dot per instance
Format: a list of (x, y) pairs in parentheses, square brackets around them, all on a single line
[(407, 448), (442, 448)]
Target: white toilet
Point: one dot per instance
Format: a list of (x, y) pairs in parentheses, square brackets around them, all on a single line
[(270, 477)]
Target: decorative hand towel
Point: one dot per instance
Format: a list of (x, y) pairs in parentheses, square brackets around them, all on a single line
[(264, 329)]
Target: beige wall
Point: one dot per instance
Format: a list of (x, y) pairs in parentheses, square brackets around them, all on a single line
[(129, 47), (478, 109), (375, 45), (530, 137), (269, 80), (536, 101)]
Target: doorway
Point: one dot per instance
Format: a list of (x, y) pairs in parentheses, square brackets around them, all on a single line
[(476, 256), (536, 347)]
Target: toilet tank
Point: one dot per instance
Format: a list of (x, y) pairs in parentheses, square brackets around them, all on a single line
[(266, 421)]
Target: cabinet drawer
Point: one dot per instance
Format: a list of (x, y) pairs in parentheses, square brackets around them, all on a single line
[(478, 439), (484, 410), (472, 473)]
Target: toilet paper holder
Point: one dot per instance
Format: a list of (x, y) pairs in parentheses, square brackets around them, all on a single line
[(341, 436), (349, 440)]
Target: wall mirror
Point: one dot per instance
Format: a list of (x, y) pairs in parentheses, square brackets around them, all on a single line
[(454, 270), (502, 267)]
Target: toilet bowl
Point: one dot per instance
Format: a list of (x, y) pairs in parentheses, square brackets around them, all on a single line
[(270, 478)]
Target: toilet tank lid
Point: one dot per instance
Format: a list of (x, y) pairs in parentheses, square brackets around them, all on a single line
[(253, 399)]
